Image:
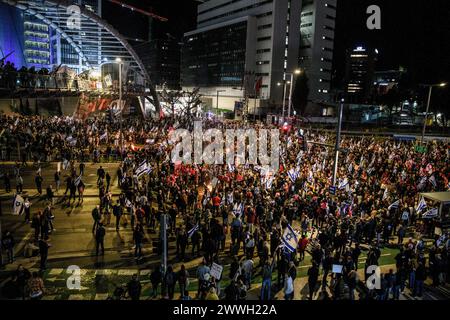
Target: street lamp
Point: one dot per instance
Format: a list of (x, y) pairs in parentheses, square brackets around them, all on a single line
[(291, 83), (217, 102), (119, 62), (430, 86)]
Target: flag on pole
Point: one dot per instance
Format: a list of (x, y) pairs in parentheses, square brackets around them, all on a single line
[(143, 168), (385, 194), (104, 136), (77, 181), (294, 173), (65, 164), (290, 239), (343, 184), (432, 213), (192, 231), (238, 209), (422, 205), (394, 205), (231, 167), (18, 205)]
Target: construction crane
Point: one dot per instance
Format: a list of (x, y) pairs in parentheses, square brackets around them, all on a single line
[(146, 13)]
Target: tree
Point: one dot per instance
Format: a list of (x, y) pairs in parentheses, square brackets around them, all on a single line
[(300, 93)]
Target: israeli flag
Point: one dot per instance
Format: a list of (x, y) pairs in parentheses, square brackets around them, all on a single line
[(143, 168), (18, 205), (65, 164), (231, 168), (238, 209), (370, 170), (422, 205), (230, 199), (290, 239), (77, 181), (191, 232), (269, 182), (432, 213), (128, 203), (385, 194), (350, 167), (104, 136), (343, 184), (293, 174), (299, 157), (394, 205)]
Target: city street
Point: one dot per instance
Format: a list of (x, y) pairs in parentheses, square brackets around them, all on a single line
[(73, 244)]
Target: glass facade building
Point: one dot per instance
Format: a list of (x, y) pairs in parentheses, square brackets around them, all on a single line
[(215, 57)]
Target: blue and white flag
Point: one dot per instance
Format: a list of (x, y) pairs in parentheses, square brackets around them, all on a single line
[(128, 203), (385, 194), (289, 239), (343, 184), (143, 168), (231, 168), (230, 199), (422, 205), (267, 181), (104, 136), (432, 213), (18, 205), (238, 209), (370, 170), (192, 231), (294, 173), (65, 164), (394, 205), (77, 181)]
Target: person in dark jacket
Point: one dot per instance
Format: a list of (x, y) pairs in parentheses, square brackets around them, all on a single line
[(100, 238), (134, 288), (313, 276), (43, 252), (8, 245), (155, 279), (421, 275)]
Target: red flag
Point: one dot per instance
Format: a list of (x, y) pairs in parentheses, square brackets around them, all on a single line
[(258, 85)]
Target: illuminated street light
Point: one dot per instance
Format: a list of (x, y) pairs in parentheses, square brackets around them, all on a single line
[(430, 86)]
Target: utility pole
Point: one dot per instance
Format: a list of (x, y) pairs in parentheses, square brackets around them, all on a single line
[(428, 107), (163, 226), (338, 142)]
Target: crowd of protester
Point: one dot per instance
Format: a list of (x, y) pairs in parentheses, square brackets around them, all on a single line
[(230, 215)]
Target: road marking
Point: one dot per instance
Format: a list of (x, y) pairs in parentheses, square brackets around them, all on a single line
[(56, 271), (126, 272), (79, 297), (101, 296)]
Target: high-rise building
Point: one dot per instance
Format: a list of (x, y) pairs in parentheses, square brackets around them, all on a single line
[(161, 58), (266, 39), (36, 42), (316, 46), (359, 76), (65, 54), (238, 44)]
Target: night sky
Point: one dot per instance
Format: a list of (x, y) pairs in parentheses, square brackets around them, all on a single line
[(414, 34)]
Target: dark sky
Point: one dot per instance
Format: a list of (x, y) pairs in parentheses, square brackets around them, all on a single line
[(414, 33)]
